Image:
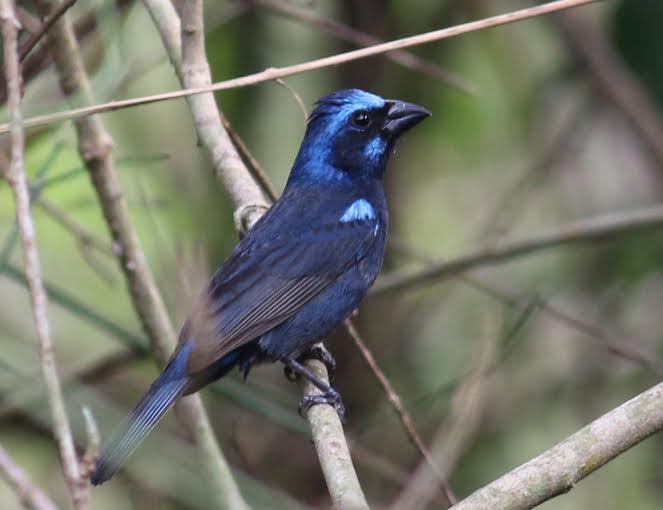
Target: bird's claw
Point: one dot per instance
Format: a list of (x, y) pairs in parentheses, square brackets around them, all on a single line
[(320, 353), (331, 398)]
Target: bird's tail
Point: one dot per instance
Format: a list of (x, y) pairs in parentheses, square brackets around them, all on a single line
[(160, 397)]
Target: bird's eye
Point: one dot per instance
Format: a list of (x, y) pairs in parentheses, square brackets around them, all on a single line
[(360, 119)]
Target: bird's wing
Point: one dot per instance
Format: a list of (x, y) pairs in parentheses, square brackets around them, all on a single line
[(264, 283)]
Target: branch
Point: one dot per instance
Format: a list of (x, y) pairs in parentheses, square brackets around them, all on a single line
[(282, 72), (582, 231), (95, 148), (30, 496), (19, 185), (331, 447), (557, 470)]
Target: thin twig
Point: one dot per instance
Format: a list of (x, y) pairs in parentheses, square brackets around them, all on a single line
[(582, 231), (295, 95), (31, 496), (560, 468), (361, 39), (26, 48), (397, 404), (19, 185), (251, 163), (334, 60)]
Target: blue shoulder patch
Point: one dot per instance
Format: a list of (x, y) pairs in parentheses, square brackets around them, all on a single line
[(359, 210)]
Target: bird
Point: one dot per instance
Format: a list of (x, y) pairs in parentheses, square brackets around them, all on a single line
[(296, 275)]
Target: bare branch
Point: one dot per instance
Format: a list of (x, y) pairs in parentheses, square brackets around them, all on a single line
[(582, 231), (30, 496), (334, 60), (19, 185), (557, 470)]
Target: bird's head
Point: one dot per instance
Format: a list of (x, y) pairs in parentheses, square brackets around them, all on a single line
[(350, 135)]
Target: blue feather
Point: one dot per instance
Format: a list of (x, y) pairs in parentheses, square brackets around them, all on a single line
[(299, 272)]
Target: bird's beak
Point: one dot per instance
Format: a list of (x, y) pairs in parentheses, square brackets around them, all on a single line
[(402, 116)]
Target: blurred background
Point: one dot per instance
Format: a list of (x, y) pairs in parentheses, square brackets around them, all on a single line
[(535, 125)]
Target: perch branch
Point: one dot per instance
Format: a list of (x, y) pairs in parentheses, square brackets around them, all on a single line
[(331, 447), (95, 148), (30, 496), (334, 60), (557, 470), (19, 185)]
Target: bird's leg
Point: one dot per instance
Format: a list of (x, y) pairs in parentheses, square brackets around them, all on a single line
[(330, 396), (319, 352)]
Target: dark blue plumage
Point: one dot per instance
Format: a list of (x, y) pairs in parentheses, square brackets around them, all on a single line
[(298, 273)]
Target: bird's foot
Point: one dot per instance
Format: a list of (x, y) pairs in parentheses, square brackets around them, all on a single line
[(320, 352), (331, 397)]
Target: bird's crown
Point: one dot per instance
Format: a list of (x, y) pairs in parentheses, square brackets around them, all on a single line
[(350, 134)]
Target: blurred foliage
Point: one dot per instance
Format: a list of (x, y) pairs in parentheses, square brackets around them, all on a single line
[(445, 184)]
